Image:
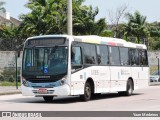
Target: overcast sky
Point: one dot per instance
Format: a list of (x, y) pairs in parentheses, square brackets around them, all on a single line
[(149, 8)]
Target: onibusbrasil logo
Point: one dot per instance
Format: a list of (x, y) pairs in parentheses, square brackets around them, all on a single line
[(21, 114)]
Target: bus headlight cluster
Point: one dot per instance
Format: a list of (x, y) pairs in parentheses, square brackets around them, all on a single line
[(62, 81), (24, 82)]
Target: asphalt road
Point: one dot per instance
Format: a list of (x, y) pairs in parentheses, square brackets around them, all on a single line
[(146, 99)]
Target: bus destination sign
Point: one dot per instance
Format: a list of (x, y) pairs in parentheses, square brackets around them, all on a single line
[(46, 41)]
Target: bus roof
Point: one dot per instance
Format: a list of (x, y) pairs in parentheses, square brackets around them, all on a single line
[(48, 36), (108, 41), (97, 40)]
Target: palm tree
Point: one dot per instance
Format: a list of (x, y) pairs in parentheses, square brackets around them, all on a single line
[(84, 22), (46, 17), (154, 29), (136, 26), (1, 7), (50, 17)]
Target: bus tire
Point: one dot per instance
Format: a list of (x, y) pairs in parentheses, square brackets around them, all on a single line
[(129, 89), (48, 98), (87, 92)]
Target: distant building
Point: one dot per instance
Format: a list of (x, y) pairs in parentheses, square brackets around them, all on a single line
[(6, 19)]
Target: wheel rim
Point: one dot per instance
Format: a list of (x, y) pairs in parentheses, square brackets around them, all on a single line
[(130, 88), (87, 92)]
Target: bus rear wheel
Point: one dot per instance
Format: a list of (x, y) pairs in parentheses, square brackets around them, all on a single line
[(87, 92), (48, 98), (129, 89)]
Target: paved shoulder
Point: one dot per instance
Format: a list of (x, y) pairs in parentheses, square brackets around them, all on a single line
[(5, 90)]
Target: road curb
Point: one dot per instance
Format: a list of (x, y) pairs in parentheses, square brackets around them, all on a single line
[(154, 84), (9, 90)]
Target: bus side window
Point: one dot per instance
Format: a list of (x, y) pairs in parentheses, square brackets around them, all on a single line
[(124, 53), (102, 55), (146, 57), (89, 52), (114, 55), (76, 57), (143, 57), (134, 57)]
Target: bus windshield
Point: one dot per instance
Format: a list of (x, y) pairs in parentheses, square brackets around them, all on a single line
[(45, 60)]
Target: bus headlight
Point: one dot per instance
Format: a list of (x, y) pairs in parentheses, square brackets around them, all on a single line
[(62, 81), (24, 82)]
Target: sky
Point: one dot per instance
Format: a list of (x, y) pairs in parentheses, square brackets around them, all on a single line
[(149, 8)]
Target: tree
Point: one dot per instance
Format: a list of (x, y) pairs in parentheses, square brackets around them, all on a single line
[(156, 44), (136, 26), (10, 38), (46, 17), (50, 17), (84, 22), (1, 7), (115, 17), (107, 33), (154, 29)]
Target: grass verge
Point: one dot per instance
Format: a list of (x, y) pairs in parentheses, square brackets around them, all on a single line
[(6, 83)]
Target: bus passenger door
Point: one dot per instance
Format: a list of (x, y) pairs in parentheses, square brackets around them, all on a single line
[(103, 78), (144, 69), (115, 76), (115, 68)]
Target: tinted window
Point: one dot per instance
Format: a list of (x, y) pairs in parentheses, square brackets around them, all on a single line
[(114, 55), (76, 58), (134, 57), (89, 54), (45, 60), (124, 56), (143, 57), (102, 55)]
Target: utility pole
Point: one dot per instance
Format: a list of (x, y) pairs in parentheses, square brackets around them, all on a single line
[(16, 56), (158, 65), (69, 18)]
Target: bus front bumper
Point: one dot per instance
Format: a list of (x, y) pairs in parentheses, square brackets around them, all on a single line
[(56, 91)]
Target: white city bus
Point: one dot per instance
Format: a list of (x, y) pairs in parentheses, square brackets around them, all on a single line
[(55, 65)]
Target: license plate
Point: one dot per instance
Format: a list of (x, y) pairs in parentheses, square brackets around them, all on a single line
[(42, 91)]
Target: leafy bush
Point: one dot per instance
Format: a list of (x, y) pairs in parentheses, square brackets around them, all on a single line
[(11, 79), (1, 78), (9, 74), (6, 83)]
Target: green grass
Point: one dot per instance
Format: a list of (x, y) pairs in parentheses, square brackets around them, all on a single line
[(6, 83)]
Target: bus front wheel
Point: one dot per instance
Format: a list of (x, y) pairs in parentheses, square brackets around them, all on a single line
[(48, 98), (87, 92)]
